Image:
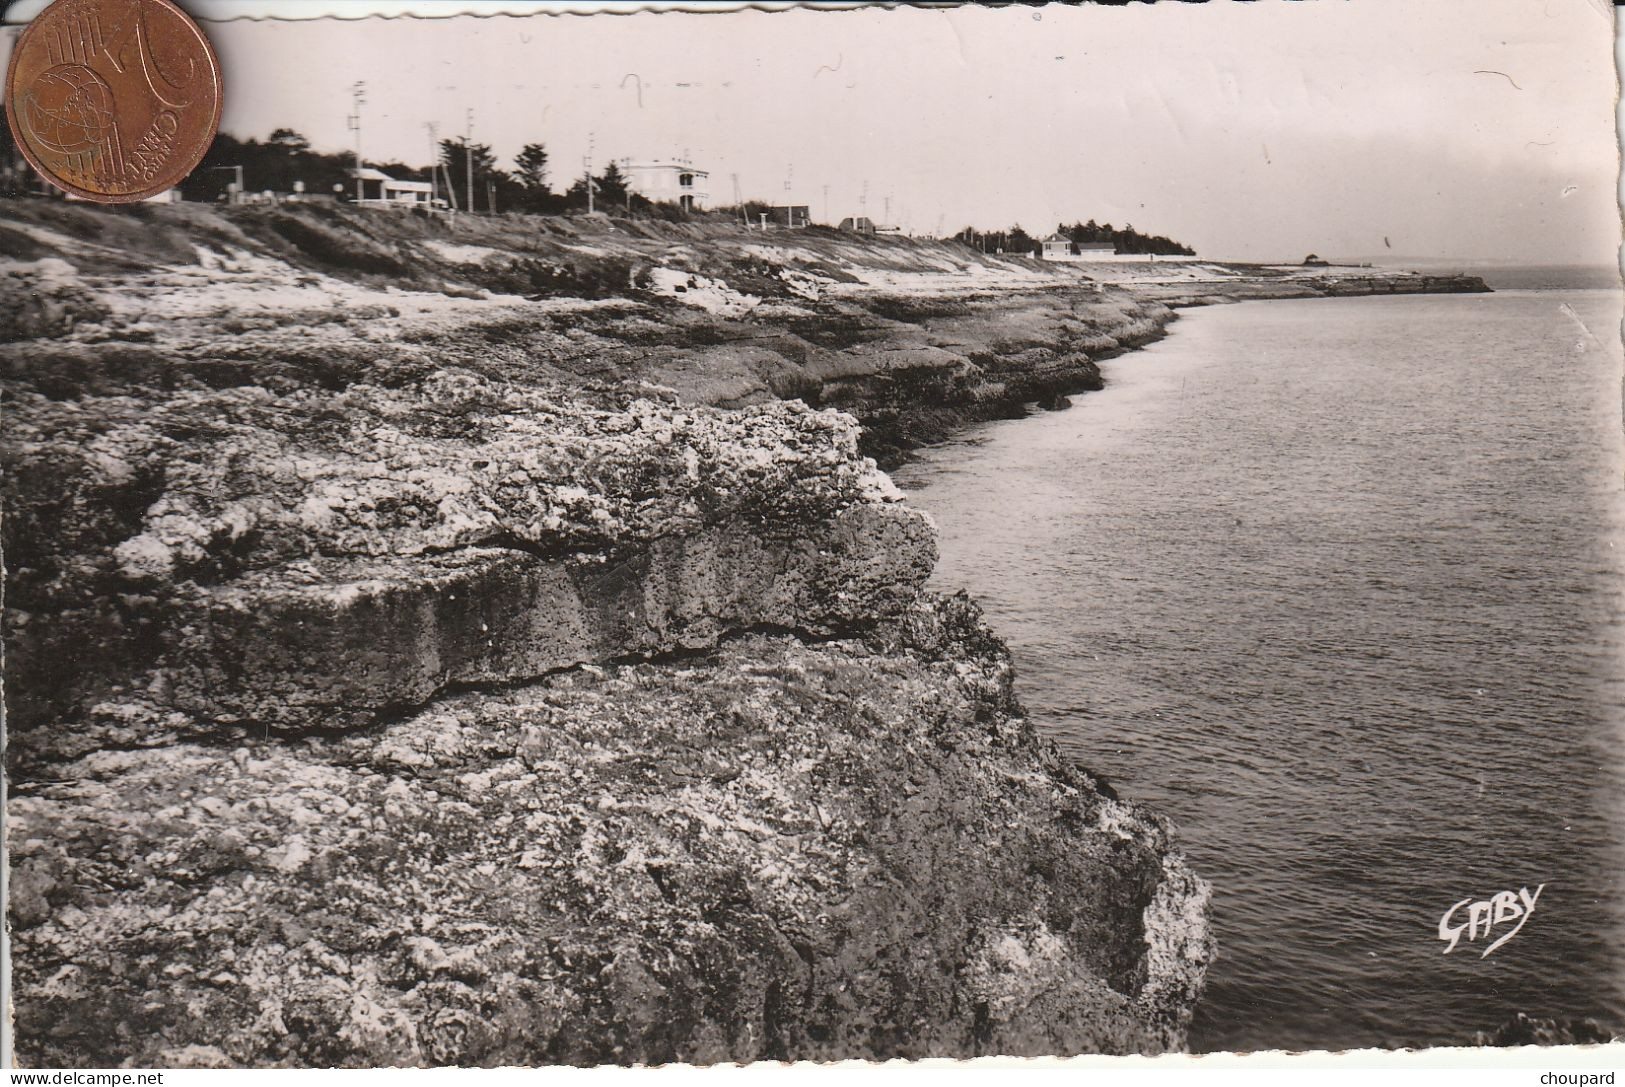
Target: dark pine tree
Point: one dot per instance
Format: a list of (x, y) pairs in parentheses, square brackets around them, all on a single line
[(455, 155)]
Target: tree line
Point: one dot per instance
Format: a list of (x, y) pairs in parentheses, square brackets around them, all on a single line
[(467, 175), (284, 161), (1126, 240)]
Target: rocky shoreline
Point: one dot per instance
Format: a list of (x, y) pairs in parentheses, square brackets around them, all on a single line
[(434, 645)]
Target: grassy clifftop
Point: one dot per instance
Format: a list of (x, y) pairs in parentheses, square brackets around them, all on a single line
[(914, 337), (402, 249)]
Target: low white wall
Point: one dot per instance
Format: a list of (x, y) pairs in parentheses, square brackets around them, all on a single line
[(1109, 258)]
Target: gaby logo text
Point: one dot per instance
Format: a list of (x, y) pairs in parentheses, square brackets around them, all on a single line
[(1479, 919)]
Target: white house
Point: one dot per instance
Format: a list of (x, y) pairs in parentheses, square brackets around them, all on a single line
[(1057, 247), (673, 182), (378, 189), (1060, 247)]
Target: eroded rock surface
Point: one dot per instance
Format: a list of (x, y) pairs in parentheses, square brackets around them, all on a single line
[(307, 560), (778, 851), (444, 676), (455, 725), (458, 724)]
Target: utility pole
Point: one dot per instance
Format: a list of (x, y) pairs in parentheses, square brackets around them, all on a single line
[(434, 161), (358, 95), (586, 164), (826, 205), (468, 161), (451, 187)]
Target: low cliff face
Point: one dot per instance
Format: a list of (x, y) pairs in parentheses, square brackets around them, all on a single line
[(311, 559), (779, 850), (485, 643), (367, 710), (455, 726)]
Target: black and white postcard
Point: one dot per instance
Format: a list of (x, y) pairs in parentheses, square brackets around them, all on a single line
[(823, 533)]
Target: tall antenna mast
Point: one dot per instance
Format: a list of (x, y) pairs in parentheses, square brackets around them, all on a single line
[(358, 95), (434, 161), (468, 161), (586, 164)]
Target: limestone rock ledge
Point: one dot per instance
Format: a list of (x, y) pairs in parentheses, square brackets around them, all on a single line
[(364, 638), (455, 724), (311, 559), (779, 851)]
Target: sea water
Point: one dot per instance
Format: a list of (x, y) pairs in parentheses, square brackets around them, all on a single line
[(1336, 585)]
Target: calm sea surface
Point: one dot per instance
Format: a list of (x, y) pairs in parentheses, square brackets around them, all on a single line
[(1335, 585)]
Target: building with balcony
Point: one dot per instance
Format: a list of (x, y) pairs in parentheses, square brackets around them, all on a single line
[(670, 181)]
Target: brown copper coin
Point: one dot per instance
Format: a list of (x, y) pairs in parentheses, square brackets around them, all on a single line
[(113, 100)]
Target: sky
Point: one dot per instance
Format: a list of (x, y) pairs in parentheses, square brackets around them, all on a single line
[(1470, 129)]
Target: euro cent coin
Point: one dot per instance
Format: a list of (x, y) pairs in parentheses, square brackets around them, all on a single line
[(113, 100)]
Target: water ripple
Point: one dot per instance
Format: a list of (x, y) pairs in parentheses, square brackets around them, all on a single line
[(1334, 584)]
